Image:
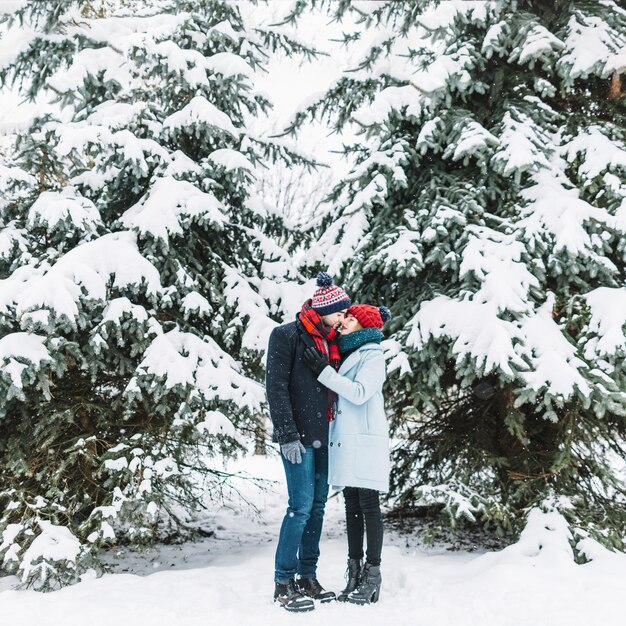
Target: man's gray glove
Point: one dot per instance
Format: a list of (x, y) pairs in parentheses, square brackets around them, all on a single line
[(293, 451)]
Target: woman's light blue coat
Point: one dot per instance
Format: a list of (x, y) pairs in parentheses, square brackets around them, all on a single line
[(358, 452)]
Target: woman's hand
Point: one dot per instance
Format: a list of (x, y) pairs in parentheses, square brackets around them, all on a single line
[(315, 360)]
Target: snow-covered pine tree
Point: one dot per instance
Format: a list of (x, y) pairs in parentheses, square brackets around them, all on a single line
[(138, 278), (487, 209)]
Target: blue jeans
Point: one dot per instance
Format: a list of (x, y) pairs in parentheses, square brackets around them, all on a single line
[(299, 541)]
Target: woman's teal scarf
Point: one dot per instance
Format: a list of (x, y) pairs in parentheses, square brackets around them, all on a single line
[(353, 341)]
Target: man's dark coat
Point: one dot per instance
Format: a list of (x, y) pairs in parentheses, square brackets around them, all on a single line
[(298, 402)]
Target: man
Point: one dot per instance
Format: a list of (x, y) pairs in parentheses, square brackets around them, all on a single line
[(301, 408)]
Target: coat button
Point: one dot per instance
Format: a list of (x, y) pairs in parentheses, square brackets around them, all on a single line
[(319, 414), (331, 444), (339, 412), (339, 445), (319, 389)]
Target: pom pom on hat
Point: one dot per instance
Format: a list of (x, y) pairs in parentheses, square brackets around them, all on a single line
[(324, 279), (329, 298), (385, 314)]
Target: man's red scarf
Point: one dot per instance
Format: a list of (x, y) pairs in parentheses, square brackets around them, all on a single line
[(315, 327)]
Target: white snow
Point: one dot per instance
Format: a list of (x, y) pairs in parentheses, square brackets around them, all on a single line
[(115, 115), (443, 70), (226, 28), (179, 164), (18, 351), (401, 248), (195, 302), (230, 159), (496, 260), (8, 174), (228, 64), (554, 209), (532, 349), (216, 423), (473, 139), (387, 100), (590, 47), (395, 357), (89, 267), (200, 111), (521, 145), (181, 358), (598, 152), (539, 43), (553, 358), (228, 578), (52, 208), (79, 136), (117, 307), (115, 465), (10, 236), (343, 236), (607, 322), (55, 543), (491, 42), (475, 329), (168, 202), (189, 63), (91, 61)]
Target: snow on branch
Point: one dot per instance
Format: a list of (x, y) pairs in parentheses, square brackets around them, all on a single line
[(597, 152), (91, 62), (180, 358), (475, 331), (607, 324), (538, 44), (200, 111), (473, 139), (54, 545), (228, 64), (83, 272), (495, 259), (230, 159), (591, 46), (64, 210), (345, 234), (560, 212), (554, 364), (18, 351), (162, 210), (521, 145), (447, 68), (390, 99)]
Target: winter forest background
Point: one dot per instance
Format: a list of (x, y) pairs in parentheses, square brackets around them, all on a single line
[(174, 173)]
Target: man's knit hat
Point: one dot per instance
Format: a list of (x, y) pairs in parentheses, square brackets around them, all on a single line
[(370, 316), (329, 298)]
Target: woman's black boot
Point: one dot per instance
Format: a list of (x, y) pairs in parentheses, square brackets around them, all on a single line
[(353, 576), (368, 590)]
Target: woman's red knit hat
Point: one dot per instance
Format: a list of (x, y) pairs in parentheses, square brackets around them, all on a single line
[(370, 316)]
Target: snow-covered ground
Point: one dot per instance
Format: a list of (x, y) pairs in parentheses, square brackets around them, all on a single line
[(226, 580)]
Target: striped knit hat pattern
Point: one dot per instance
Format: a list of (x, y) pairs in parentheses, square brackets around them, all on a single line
[(329, 298)]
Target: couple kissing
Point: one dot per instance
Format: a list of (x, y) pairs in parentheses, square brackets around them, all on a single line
[(324, 379)]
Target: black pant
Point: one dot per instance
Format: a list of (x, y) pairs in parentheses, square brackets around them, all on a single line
[(363, 516)]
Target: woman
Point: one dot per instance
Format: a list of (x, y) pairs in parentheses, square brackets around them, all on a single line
[(358, 453)]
